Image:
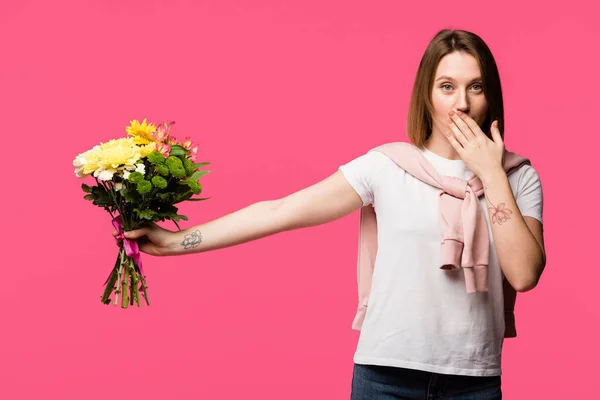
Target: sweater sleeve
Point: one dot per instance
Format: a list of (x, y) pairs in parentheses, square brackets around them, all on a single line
[(362, 174), (529, 195)]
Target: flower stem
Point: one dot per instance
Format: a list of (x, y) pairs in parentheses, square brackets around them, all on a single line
[(110, 285), (122, 254), (135, 286), (141, 279), (125, 285), (145, 290), (126, 225), (131, 289)]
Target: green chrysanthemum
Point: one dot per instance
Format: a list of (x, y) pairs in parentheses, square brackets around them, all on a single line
[(162, 169), (176, 167), (189, 166), (156, 158), (195, 187), (144, 186), (159, 182), (135, 177)]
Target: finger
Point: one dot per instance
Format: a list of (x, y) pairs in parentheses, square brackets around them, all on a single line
[(474, 126), (137, 233), (496, 132), (458, 135), (462, 125), (115, 233), (452, 139)]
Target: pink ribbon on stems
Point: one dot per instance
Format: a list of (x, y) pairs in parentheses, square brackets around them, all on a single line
[(131, 246)]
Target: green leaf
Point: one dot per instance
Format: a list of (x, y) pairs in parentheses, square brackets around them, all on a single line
[(177, 150), (177, 217), (145, 214), (101, 197), (194, 177), (198, 174), (176, 194), (167, 208), (179, 197), (202, 164), (86, 188), (198, 198), (130, 196), (89, 197), (104, 202), (165, 197), (177, 225), (173, 216)]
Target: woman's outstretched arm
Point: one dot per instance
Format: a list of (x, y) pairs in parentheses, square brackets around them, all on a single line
[(328, 200)]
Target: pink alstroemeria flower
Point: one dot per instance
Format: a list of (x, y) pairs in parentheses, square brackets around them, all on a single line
[(162, 132), (500, 213), (172, 140), (187, 143), (193, 153), (163, 149)]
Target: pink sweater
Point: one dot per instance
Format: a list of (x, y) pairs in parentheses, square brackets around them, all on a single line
[(465, 243)]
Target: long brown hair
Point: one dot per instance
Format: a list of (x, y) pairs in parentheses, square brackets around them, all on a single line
[(419, 121)]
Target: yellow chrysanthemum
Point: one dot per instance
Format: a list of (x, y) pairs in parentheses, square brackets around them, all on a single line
[(147, 149), (87, 162), (92, 161), (142, 133), (119, 152), (113, 156)]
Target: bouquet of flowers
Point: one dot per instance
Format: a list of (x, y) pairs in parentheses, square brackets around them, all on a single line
[(139, 179)]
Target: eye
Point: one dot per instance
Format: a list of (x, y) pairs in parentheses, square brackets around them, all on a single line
[(477, 86), (446, 85)]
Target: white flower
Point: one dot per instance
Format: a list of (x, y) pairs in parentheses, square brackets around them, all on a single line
[(79, 172), (126, 174), (79, 162), (105, 175), (141, 168), (118, 186)]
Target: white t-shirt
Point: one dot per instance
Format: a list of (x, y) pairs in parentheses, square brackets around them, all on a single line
[(420, 316)]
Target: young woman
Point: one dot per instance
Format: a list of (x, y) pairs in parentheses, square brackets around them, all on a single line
[(423, 336)]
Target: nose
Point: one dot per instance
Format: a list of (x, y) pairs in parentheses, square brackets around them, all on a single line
[(462, 101)]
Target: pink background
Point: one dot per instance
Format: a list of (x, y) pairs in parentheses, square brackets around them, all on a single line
[(278, 94)]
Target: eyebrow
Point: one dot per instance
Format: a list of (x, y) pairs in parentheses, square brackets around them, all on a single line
[(450, 79)]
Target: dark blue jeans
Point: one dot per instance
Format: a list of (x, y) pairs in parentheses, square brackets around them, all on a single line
[(372, 382)]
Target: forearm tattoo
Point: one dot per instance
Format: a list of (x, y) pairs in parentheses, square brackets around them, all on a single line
[(499, 213), (192, 240)]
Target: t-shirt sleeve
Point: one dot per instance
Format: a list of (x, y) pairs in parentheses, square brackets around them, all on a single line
[(362, 173), (529, 196)]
